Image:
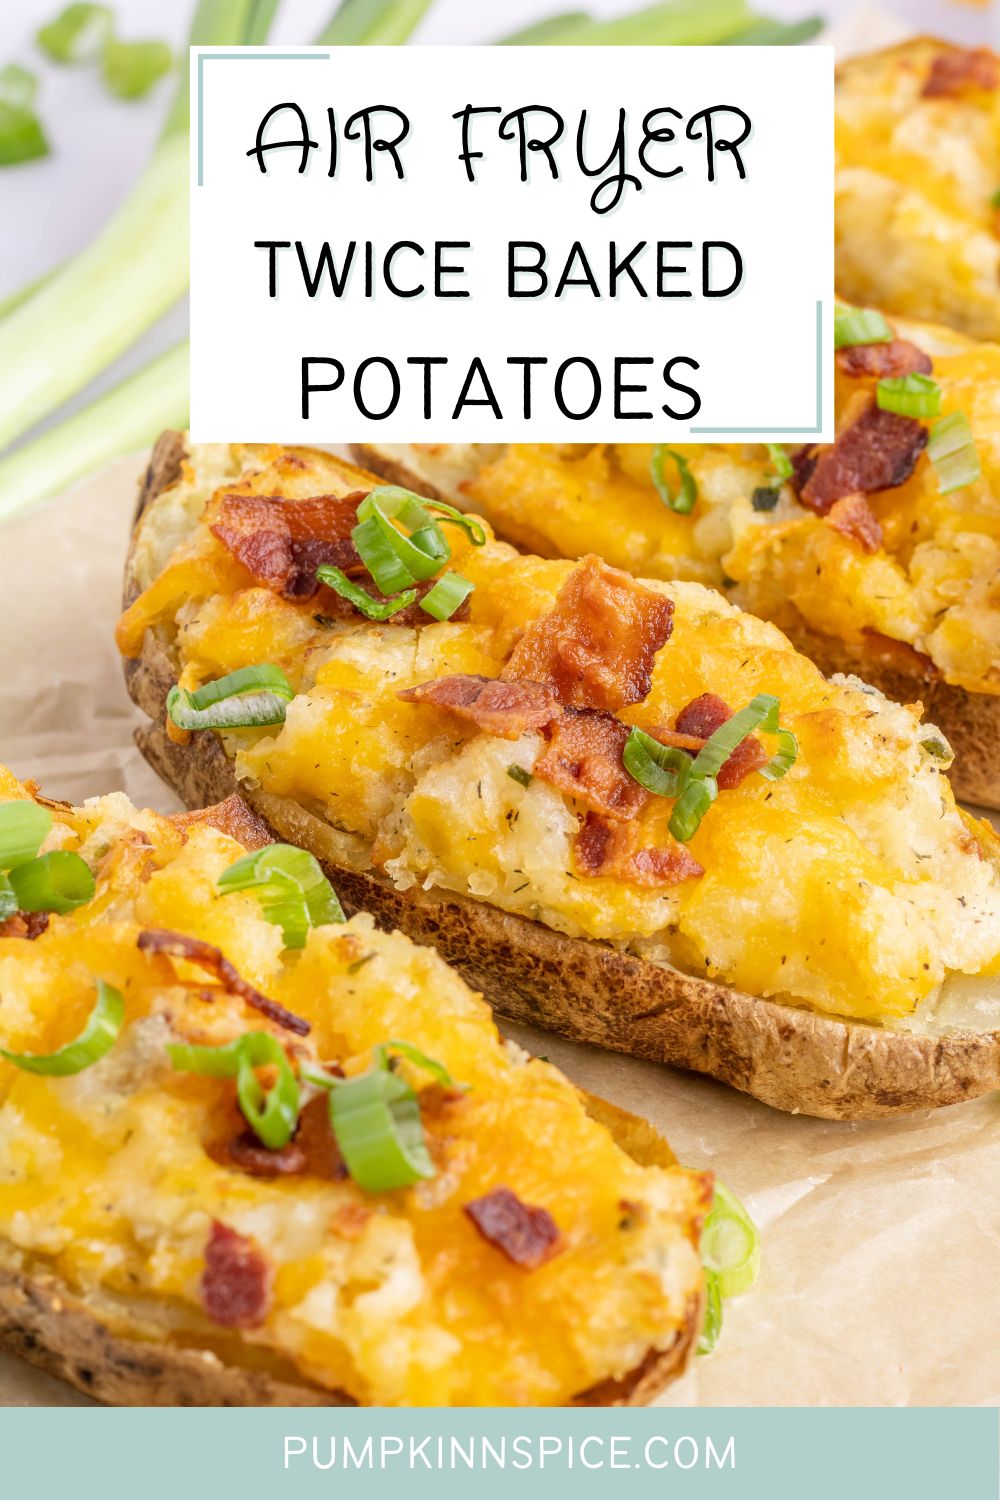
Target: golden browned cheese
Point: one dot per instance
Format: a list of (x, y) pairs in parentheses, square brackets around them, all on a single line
[(917, 168), (106, 1178), (934, 584), (853, 886)]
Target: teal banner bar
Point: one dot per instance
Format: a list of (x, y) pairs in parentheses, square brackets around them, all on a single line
[(738, 1454)]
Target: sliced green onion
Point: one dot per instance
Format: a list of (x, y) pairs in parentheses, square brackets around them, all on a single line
[(937, 749), (23, 827), (712, 1326), (859, 325), (995, 198), (373, 609), (8, 901), (373, 21), (909, 395), (273, 1113), (730, 1244), (130, 69), (472, 528), (952, 450), (18, 87), (691, 806), (78, 34), (683, 501), (661, 769), (765, 497), (21, 136), (247, 698), (97, 1037), (520, 775), (723, 741), (293, 891), (376, 1120), (59, 882), (437, 1070), (393, 560), (780, 462), (413, 511), (448, 594)]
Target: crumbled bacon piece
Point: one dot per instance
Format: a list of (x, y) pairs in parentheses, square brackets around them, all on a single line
[(877, 451), (317, 1142), (703, 716), (597, 645), (25, 924), (961, 69), (232, 817), (205, 956), (281, 543), (899, 357), (854, 518), (313, 1152), (505, 709), (607, 846), (527, 1236), (584, 759), (236, 1285)]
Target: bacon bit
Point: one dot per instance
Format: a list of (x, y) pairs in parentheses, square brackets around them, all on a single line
[(317, 1142), (854, 518), (584, 759), (505, 709), (597, 645), (281, 543), (25, 924), (236, 1285), (349, 1220), (877, 451), (899, 656), (194, 951), (954, 73), (527, 1236), (899, 357), (703, 716), (232, 817), (606, 846), (247, 1154)]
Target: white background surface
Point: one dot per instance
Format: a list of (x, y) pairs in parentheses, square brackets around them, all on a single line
[(49, 209)]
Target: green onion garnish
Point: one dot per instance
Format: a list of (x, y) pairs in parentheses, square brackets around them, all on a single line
[(59, 882), (765, 496), (909, 395), (23, 826), (18, 87), (730, 1244), (666, 771), (780, 462), (21, 136), (273, 1113), (131, 68), (97, 1037), (292, 889), (683, 501), (859, 325), (373, 609), (78, 34), (447, 595), (8, 901), (520, 775), (249, 697), (952, 450), (712, 1326), (995, 198)]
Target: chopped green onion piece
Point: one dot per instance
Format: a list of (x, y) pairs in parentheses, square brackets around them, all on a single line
[(292, 889), (376, 1120), (765, 497), (859, 325), (18, 87), (396, 561), (8, 901), (23, 827), (781, 463), (131, 68), (78, 34), (952, 450), (273, 1113), (437, 1070), (373, 609), (97, 1037), (396, 502), (661, 769), (691, 806), (937, 749), (59, 882), (712, 1326), (723, 741), (909, 395), (21, 136), (995, 198), (472, 528), (247, 698), (730, 1244), (683, 501), (520, 775), (448, 594)]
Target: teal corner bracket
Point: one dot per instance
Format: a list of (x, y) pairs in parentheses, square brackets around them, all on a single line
[(780, 426), (245, 56)]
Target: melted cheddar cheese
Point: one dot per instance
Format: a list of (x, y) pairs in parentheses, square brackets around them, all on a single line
[(853, 886), (106, 1181)]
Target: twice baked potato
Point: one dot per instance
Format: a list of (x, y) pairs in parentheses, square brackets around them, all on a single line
[(234, 1179), (917, 174), (822, 935), (860, 551)]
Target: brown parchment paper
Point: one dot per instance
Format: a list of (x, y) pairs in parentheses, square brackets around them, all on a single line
[(881, 1242)]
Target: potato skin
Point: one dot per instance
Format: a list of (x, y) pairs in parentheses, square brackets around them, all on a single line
[(791, 1059)]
